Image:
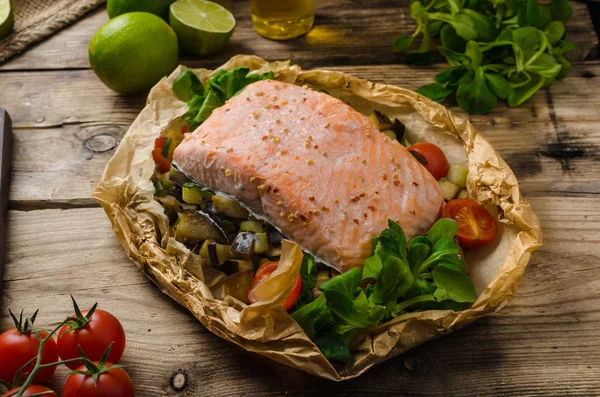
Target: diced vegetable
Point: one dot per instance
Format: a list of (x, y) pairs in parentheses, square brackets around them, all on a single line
[(244, 264), (261, 243), (275, 237), (175, 137), (193, 194), (389, 133), (322, 276), (262, 261), (464, 193), (449, 189), (229, 267), (178, 177), (218, 253), (166, 182), (274, 250), (253, 225), (382, 121), (243, 244), (457, 174), (204, 249), (229, 207), (195, 226)]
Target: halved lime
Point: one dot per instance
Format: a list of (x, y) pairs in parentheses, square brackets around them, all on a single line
[(202, 27), (6, 18)]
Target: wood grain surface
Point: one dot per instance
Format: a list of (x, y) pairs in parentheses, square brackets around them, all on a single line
[(346, 32), (67, 126)]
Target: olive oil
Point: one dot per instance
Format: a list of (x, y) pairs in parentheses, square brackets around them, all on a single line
[(282, 19)]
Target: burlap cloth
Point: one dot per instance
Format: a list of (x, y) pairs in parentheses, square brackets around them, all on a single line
[(37, 19)]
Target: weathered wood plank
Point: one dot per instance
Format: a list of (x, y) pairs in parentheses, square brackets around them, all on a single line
[(551, 142), (523, 351), (345, 33)]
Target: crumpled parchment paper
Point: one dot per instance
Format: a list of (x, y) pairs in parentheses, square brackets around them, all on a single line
[(126, 194)]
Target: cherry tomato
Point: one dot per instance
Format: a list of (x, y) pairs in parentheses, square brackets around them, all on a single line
[(32, 389), (263, 273), (164, 164), (185, 129), (437, 163), (17, 348), (476, 226), (113, 382), (94, 338)]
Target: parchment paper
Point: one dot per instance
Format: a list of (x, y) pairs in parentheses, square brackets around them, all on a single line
[(126, 194)]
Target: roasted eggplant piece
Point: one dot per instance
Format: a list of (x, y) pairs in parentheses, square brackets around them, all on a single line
[(218, 253), (274, 251), (177, 176), (243, 245), (193, 194), (229, 207), (197, 226), (275, 237)]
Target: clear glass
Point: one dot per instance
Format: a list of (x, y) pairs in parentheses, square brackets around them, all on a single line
[(282, 19)]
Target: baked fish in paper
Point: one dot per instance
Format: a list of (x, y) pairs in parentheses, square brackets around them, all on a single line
[(313, 167)]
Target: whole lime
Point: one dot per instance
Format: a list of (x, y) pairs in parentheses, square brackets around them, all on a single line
[(156, 7), (133, 51)]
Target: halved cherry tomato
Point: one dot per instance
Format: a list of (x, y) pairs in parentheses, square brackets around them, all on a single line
[(436, 161), (33, 389), (263, 273), (476, 226), (185, 129), (164, 164)]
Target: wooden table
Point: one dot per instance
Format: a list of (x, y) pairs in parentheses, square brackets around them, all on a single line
[(67, 125)]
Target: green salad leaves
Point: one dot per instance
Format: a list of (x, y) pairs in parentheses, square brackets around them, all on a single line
[(427, 273), (202, 100), (497, 49)]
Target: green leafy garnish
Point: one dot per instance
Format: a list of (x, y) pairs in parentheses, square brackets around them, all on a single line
[(202, 100), (496, 49), (427, 273), (308, 273)]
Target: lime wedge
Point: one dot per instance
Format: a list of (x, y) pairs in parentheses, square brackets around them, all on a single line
[(6, 18), (202, 27)]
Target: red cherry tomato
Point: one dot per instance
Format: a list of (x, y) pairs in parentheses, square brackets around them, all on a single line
[(263, 273), (476, 226), (113, 382), (164, 164), (94, 338), (185, 129), (17, 348), (32, 389), (437, 163)]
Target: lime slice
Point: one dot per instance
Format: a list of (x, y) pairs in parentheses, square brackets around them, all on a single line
[(6, 18), (202, 27)]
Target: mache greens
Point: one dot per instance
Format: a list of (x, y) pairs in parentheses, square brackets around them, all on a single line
[(202, 100), (497, 49), (427, 273)]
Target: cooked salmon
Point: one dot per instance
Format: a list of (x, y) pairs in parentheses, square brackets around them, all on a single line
[(315, 168)]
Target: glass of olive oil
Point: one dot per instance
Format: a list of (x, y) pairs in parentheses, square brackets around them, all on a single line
[(282, 19)]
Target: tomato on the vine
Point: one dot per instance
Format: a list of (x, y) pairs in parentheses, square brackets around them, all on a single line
[(432, 158), (92, 331), (19, 345), (32, 389), (476, 226), (263, 273), (113, 382)]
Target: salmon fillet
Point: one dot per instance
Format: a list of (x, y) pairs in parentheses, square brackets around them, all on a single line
[(315, 168)]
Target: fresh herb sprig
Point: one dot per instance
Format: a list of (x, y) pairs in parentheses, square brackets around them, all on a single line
[(427, 273), (497, 49), (202, 100)]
